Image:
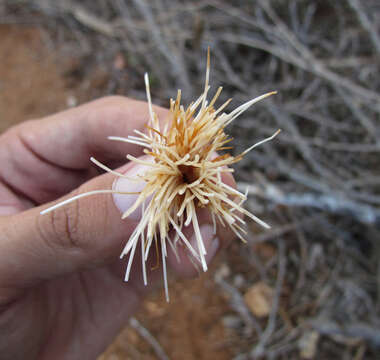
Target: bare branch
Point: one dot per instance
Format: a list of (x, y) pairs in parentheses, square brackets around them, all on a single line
[(366, 23), (329, 202), (145, 334)]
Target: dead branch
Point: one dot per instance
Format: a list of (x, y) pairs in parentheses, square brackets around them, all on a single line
[(259, 349), (326, 202), (357, 330), (366, 23), (238, 304), (149, 338)]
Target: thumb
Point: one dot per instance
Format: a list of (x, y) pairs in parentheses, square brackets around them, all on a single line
[(81, 234)]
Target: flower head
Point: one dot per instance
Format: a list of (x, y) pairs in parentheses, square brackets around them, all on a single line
[(185, 174)]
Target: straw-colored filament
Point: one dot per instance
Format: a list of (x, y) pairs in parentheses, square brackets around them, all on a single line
[(184, 175)]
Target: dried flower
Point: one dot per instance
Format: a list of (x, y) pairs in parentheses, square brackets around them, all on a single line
[(185, 174)]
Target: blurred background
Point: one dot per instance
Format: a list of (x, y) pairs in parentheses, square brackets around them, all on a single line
[(308, 288)]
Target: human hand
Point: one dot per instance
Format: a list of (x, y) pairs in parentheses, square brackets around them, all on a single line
[(62, 294)]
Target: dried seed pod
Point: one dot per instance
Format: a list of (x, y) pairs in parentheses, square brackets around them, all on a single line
[(185, 174)]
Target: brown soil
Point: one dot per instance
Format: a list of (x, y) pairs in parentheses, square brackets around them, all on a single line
[(34, 83), (189, 327), (30, 83)]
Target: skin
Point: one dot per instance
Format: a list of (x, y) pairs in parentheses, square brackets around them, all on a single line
[(62, 293)]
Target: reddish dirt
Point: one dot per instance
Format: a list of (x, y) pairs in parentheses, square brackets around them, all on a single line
[(34, 83), (30, 83), (189, 327)]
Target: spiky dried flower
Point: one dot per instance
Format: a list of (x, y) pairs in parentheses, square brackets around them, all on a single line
[(185, 174)]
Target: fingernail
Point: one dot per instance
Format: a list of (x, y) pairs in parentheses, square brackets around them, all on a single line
[(210, 241), (124, 201)]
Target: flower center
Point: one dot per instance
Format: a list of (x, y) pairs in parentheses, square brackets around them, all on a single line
[(189, 173)]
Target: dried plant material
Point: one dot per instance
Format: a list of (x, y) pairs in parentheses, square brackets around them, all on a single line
[(308, 344), (185, 174), (265, 250), (259, 299)]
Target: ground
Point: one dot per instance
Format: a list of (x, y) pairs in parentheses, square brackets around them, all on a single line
[(30, 82), (34, 82)]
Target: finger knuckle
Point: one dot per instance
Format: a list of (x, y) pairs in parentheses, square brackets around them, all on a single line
[(115, 101), (61, 228)]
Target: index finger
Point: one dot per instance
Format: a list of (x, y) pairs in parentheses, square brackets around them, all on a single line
[(44, 159)]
